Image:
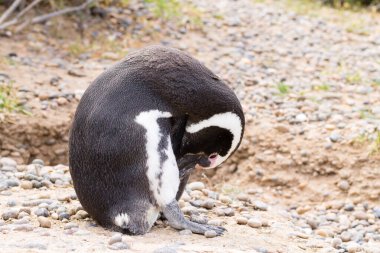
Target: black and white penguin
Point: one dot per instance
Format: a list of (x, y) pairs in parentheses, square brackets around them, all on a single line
[(140, 129)]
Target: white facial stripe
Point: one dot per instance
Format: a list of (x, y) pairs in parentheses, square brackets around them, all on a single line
[(229, 121), (170, 174)]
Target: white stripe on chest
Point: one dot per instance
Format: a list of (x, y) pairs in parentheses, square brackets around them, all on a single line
[(164, 188), (227, 120)]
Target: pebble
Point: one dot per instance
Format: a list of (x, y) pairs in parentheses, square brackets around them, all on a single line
[(243, 197), (44, 222), (10, 214), (260, 205), (23, 227), (335, 136), (11, 203), (353, 247), (34, 245), (208, 204), (22, 214), (346, 236), (321, 232), (215, 222), (344, 185), (41, 212), (70, 225), (115, 238), (196, 186), (185, 232), (166, 249), (225, 199), (241, 220), (254, 223), (359, 215), (336, 242), (118, 246), (210, 234), (8, 162), (27, 185)]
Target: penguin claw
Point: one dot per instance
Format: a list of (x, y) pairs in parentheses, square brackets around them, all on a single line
[(219, 230)]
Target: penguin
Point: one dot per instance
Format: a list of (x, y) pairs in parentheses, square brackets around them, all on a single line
[(139, 131)]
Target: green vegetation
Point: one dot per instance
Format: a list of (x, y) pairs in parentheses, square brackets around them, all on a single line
[(5, 60), (283, 88), (350, 3), (376, 83), (351, 15), (322, 87), (165, 9), (375, 146), (372, 141), (354, 78), (180, 12), (8, 100)]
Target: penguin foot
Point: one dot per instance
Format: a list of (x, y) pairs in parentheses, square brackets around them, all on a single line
[(177, 220)]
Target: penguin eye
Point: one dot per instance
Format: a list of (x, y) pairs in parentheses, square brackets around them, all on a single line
[(213, 155)]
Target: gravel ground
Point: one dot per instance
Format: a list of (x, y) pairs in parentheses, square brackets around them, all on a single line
[(306, 178)]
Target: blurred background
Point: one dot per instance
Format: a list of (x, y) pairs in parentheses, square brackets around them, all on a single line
[(306, 71)]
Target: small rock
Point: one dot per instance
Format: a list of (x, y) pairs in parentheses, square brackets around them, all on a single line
[(34, 245), (215, 222), (331, 217), (41, 212), (301, 118), (260, 205), (8, 162), (82, 214), (346, 236), (360, 215), (254, 223), (70, 225), (343, 185), (196, 186), (199, 219), (76, 73), (38, 162), (23, 227), (11, 203), (349, 207), (63, 215), (44, 222), (225, 199), (336, 242), (185, 232), (210, 234), (312, 223), (12, 183), (10, 214), (27, 185), (119, 246), (22, 215), (335, 136), (353, 247), (321, 232), (208, 204), (282, 128), (115, 238), (241, 220), (166, 249), (243, 197), (229, 212)]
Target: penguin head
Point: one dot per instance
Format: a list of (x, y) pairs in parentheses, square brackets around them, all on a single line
[(214, 138)]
